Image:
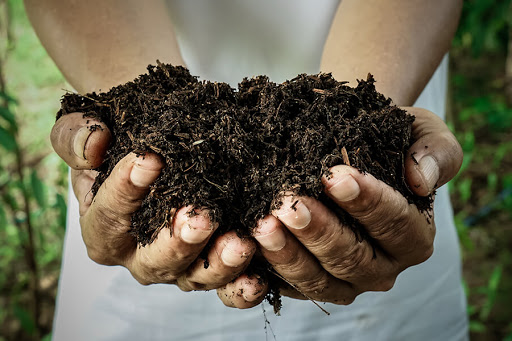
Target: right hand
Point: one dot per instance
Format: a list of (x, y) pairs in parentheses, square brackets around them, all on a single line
[(105, 219)]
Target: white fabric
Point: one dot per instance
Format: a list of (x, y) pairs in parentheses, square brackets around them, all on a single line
[(280, 39)]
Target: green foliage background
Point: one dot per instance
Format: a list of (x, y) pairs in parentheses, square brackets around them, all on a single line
[(481, 115), (33, 180)]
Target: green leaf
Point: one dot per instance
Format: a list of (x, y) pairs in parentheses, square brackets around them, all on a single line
[(501, 151), (8, 98), (471, 309), (7, 140), (464, 186), (26, 320), (492, 292), (477, 327), (7, 115), (47, 337), (39, 189), (495, 278), (60, 204), (465, 240), (492, 182)]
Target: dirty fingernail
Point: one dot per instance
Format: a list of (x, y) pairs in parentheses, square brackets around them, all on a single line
[(198, 229), (293, 213), (81, 137), (194, 235), (345, 189), (141, 176), (232, 257), (430, 171), (270, 237)]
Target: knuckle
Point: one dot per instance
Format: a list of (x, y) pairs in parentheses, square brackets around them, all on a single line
[(142, 280), (347, 298), (99, 247), (385, 284), (186, 285), (142, 276), (106, 237), (392, 228), (156, 274), (165, 276), (357, 259), (368, 207), (117, 223), (144, 267), (123, 194), (98, 256), (423, 249), (159, 275), (314, 287), (425, 254)]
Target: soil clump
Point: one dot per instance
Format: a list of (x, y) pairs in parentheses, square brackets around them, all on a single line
[(235, 151)]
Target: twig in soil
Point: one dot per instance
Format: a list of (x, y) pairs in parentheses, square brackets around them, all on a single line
[(214, 184), (344, 154)]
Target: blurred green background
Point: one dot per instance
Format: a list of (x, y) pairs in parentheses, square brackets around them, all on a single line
[(33, 180)]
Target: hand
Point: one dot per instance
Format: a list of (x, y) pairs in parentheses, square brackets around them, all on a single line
[(105, 219), (322, 260)]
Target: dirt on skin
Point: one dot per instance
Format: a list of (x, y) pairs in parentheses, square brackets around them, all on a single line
[(235, 151)]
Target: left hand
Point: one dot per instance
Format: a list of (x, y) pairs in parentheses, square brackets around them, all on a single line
[(322, 260)]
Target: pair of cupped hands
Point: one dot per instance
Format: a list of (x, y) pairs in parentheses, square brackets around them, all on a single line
[(308, 247)]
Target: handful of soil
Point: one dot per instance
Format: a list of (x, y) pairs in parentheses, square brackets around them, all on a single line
[(234, 151)]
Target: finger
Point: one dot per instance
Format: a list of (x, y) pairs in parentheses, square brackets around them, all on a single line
[(435, 157), (80, 141), (168, 256), (106, 223), (398, 227), (336, 247), (297, 266), (244, 292), (227, 258)]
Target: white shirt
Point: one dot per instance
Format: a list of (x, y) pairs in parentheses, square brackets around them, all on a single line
[(227, 40)]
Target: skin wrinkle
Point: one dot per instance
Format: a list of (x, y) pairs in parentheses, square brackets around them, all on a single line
[(357, 257)]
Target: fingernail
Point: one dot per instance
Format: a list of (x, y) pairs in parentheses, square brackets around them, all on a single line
[(345, 188), (143, 177), (270, 237), (430, 171), (293, 213), (193, 234), (232, 257), (80, 140)]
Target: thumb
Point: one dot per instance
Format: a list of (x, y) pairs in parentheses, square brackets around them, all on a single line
[(80, 141), (108, 219), (435, 157)]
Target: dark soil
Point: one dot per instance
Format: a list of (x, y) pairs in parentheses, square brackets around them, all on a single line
[(234, 151)]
